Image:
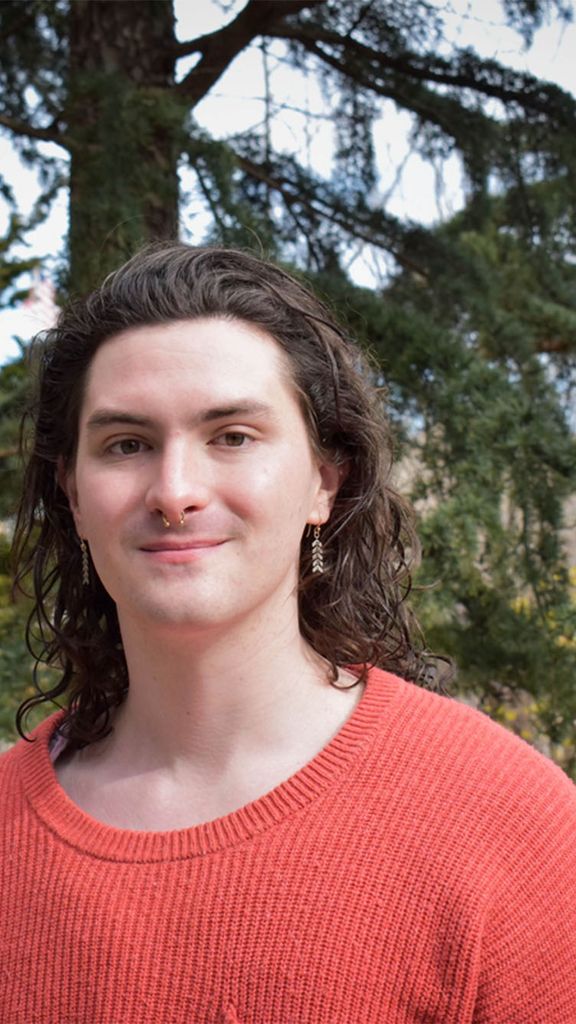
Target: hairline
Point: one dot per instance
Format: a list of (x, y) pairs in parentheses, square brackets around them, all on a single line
[(285, 366)]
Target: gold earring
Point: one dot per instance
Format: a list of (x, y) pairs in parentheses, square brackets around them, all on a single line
[(85, 562), (165, 522), (182, 517), (317, 552)]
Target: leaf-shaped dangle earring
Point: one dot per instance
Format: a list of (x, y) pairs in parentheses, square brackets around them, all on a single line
[(85, 562), (317, 552)]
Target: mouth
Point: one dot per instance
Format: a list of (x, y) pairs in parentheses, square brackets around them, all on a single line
[(192, 544), (174, 552)]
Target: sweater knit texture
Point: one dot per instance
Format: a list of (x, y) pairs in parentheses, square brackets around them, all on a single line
[(421, 869)]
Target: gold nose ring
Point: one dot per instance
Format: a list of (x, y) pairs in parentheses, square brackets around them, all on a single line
[(166, 522)]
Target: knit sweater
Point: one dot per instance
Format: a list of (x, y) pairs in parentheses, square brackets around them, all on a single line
[(420, 870)]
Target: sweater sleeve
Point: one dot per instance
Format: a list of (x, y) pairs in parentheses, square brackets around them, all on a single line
[(528, 969)]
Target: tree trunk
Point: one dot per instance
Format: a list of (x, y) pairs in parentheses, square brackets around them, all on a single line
[(125, 124)]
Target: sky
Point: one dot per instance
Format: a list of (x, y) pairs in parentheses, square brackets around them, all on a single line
[(423, 192)]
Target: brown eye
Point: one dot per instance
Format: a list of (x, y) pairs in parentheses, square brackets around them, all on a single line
[(127, 446), (232, 439), (235, 439)]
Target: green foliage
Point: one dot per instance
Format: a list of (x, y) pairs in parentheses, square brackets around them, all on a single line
[(16, 664), (12, 268), (14, 389), (16, 669), (33, 73), (241, 215), (490, 459)]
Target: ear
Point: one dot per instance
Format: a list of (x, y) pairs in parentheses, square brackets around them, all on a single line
[(332, 477), (66, 478)]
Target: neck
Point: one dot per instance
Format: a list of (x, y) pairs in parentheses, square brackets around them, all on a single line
[(209, 725), (214, 699)]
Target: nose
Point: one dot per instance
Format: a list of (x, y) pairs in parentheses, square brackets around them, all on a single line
[(179, 482)]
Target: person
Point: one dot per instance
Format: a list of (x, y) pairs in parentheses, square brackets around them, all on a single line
[(247, 809)]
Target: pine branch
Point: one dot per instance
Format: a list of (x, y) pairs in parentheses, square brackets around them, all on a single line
[(466, 71), (221, 47), (436, 108), (332, 211)]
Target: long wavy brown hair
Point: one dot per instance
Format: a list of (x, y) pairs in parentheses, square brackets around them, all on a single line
[(353, 613)]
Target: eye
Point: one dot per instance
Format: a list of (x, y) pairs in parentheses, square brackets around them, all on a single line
[(232, 439), (127, 446)]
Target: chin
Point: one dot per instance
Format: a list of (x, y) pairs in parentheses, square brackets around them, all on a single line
[(192, 617)]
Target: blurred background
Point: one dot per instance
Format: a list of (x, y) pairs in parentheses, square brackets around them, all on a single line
[(415, 160)]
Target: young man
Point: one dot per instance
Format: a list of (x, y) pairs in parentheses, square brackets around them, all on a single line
[(239, 818)]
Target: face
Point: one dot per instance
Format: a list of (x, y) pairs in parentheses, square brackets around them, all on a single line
[(196, 421)]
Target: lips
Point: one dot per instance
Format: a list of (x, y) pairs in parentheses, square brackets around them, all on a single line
[(180, 552), (182, 545)]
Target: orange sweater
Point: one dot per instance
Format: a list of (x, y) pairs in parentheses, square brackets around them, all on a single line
[(420, 870)]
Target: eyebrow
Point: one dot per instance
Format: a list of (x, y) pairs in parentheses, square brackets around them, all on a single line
[(112, 417)]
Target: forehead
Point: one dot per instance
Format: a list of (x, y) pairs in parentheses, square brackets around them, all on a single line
[(193, 360)]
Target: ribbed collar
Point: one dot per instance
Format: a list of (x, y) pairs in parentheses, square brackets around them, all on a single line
[(66, 820)]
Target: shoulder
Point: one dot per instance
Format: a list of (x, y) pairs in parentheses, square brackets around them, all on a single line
[(27, 757), (464, 762), (454, 732), (479, 812)]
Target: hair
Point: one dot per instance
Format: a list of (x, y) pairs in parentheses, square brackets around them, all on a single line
[(354, 613)]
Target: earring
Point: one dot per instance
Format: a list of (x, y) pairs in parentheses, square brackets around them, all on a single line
[(85, 562), (182, 517), (165, 522), (317, 552)]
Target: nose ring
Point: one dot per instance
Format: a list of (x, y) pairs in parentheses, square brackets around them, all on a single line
[(166, 522)]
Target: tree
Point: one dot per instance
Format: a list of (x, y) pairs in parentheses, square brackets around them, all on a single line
[(475, 327), (98, 77)]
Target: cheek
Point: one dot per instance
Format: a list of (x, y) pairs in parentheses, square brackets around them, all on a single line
[(278, 493), (100, 501)]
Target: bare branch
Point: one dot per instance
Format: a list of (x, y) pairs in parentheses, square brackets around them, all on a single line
[(201, 43), (219, 48), (44, 134), (197, 45), (559, 346), (208, 194)]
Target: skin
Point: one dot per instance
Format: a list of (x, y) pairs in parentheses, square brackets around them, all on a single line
[(226, 699), (231, 473)]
